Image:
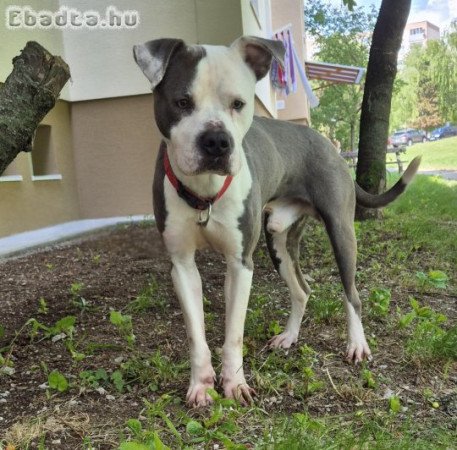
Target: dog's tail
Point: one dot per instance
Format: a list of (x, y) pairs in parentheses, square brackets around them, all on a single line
[(378, 201)]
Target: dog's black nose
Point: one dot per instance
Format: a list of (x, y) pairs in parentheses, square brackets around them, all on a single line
[(215, 142)]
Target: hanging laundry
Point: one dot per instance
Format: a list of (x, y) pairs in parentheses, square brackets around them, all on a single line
[(284, 79)]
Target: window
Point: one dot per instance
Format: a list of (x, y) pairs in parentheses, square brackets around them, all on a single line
[(11, 173), (44, 165), (415, 31)]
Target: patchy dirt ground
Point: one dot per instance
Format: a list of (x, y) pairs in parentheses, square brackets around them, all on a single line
[(125, 269)]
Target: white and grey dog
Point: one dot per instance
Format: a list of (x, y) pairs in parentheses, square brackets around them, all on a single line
[(220, 170)]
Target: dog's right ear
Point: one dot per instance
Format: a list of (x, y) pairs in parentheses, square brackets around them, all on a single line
[(153, 57)]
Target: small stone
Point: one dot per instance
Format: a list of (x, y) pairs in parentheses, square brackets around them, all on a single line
[(56, 442), (7, 370), (43, 386), (58, 337), (3, 400), (119, 359), (110, 397), (101, 390)]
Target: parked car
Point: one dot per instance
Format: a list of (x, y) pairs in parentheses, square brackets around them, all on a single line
[(443, 132), (408, 137)]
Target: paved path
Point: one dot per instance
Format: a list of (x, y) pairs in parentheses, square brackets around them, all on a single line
[(447, 174), (21, 242)]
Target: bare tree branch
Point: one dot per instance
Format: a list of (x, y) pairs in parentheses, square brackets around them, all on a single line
[(29, 93)]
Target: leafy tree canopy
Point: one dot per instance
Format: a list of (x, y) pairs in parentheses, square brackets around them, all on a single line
[(341, 37), (425, 91)]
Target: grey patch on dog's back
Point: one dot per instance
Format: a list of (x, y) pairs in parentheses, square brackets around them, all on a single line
[(160, 209), (180, 74)]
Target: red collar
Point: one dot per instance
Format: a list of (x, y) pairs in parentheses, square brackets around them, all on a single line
[(190, 197)]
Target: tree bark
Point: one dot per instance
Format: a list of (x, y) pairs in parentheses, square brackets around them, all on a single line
[(29, 93), (374, 120)]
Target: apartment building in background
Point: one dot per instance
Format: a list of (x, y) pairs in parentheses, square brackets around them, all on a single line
[(418, 33)]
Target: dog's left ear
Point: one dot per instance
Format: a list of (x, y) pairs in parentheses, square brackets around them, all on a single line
[(258, 53)]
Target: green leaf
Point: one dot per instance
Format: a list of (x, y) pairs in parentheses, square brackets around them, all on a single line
[(133, 445), (57, 381), (65, 324), (116, 318), (100, 374), (350, 4), (158, 444), (394, 404), (438, 279), (368, 378), (135, 426), (2, 331), (194, 427), (118, 380)]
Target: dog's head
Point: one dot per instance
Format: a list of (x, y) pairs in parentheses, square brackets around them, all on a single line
[(204, 97)]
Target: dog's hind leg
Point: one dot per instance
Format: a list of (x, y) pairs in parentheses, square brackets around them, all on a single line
[(284, 251), (340, 229)]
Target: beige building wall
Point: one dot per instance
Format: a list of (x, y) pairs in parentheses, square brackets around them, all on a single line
[(29, 204), (219, 22), (116, 143)]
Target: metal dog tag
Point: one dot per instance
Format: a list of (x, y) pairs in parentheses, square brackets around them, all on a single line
[(203, 216)]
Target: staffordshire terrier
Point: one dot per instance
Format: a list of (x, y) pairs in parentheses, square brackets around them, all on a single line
[(220, 170)]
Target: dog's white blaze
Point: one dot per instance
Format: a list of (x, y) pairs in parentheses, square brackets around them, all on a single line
[(237, 288), (221, 77), (356, 337), (182, 237)]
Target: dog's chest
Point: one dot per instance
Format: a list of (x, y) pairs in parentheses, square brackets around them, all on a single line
[(222, 232)]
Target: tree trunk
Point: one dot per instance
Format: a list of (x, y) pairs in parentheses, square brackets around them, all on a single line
[(352, 136), (374, 120), (29, 93)]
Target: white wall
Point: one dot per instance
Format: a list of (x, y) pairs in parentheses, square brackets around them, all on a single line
[(102, 62), (251, 26)]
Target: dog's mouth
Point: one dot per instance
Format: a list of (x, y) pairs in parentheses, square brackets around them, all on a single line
[(217, 166)]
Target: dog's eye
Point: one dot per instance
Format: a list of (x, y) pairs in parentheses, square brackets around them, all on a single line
[(237, 105), (183, 103)]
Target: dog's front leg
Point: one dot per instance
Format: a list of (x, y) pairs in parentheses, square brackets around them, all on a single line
[(188, 287), (237, 288)]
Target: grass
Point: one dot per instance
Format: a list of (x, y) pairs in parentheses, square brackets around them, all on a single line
[(408, 282), (436, 155), (427, 215)]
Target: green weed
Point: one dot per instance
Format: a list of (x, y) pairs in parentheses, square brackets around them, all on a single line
[(428, 339), (123, 323), (148, 298), (57, 381), (379, 302)]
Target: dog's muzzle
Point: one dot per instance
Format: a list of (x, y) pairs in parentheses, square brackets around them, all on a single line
[(215, 147), (215, 143)]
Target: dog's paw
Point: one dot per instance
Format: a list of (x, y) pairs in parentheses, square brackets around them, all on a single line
[(284, 340), (197, 395), (240, 391), (357, 351)]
